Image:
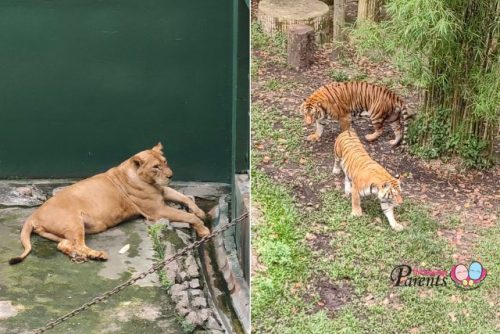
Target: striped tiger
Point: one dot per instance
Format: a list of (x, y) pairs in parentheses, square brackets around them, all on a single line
[(340, 100), (364, 176)]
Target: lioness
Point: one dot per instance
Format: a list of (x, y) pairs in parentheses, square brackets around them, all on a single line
[(137, 187)]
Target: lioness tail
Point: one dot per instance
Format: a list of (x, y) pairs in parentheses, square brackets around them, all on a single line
[(25, 240)]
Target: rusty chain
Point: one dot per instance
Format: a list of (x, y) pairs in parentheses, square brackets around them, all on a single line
[(154, 268)]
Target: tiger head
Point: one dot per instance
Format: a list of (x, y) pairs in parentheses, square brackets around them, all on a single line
[(390, 192), (312, 109)]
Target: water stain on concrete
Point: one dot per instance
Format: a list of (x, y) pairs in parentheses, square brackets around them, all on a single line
[(47, 285)]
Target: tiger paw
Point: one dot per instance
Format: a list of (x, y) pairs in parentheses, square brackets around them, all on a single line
[(393, 142), (357, 213), (372, 136), (313, 137), (397, 227)]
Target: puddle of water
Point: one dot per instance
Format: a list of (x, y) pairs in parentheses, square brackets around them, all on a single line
[(47, 285)]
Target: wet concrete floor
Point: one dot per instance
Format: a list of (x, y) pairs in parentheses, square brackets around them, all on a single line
[(47, 284)]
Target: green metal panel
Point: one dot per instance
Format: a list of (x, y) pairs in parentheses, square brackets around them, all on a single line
[(85, 84), (241, 60)]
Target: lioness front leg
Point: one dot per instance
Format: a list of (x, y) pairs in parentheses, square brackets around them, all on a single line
[(173, 214), (170, 194)]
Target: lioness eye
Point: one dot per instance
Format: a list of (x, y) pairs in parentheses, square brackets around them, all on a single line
[(156, 166)]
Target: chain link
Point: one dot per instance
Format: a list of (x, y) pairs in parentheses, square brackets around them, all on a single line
[(157, 266)]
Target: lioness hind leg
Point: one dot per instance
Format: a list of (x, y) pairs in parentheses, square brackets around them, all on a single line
[(68, 248), (74, 246)]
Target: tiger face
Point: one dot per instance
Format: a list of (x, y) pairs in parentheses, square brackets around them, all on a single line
[(312, 111), (390, 192)]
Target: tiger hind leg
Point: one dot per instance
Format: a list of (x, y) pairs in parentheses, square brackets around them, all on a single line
[(347, 185), (396, 127), (336, 165), (379, 129), (356, 203)]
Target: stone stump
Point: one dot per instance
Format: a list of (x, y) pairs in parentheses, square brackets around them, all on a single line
[(279, 15), (300, 46)]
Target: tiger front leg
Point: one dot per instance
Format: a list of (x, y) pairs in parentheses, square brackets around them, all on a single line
[(389, 213), (317, 134), (356, 203)]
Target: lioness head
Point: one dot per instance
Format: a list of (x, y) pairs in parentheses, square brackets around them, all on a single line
[(152, 167)]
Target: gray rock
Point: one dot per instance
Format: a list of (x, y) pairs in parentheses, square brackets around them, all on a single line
[(26, 196), (181, 276), (194, 319), (172, 268), (194, 283), (213, 324), (179, 225), (196, 292), (182, 311), (191, 267), (7, 310), (199, 302), (183, 301), (204, 314)]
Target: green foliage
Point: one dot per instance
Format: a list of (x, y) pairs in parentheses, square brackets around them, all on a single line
[(472, 151), (437, 130), (447, 49), (275, 44), (337, 75), (155, 232)]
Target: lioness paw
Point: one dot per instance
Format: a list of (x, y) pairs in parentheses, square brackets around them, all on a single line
[(202, 231), (200, 213)]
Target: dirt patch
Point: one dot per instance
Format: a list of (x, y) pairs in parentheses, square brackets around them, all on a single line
[(329, 297)]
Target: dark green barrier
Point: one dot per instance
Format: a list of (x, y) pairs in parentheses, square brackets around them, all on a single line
[(85, 84)]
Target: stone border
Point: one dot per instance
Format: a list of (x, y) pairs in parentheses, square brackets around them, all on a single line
[(189, 292)]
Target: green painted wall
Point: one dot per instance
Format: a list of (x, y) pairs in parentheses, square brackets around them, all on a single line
[(84, 84)]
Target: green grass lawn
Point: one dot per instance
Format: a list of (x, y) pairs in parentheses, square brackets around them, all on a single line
[(358, 256)]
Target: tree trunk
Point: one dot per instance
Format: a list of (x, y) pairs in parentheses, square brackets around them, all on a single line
[(338, 28), (369, 9), (300, 46)]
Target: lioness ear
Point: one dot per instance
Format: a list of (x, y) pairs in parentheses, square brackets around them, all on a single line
[(158, 148), (137, 161)]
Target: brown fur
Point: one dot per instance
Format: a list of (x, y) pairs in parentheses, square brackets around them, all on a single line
[(137, 187), (340, 100), (364, 176)]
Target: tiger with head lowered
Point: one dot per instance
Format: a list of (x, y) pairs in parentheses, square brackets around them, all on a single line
[(340, 100), (364, 177)]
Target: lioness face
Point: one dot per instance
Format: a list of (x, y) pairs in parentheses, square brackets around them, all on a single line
[(152, 167)]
